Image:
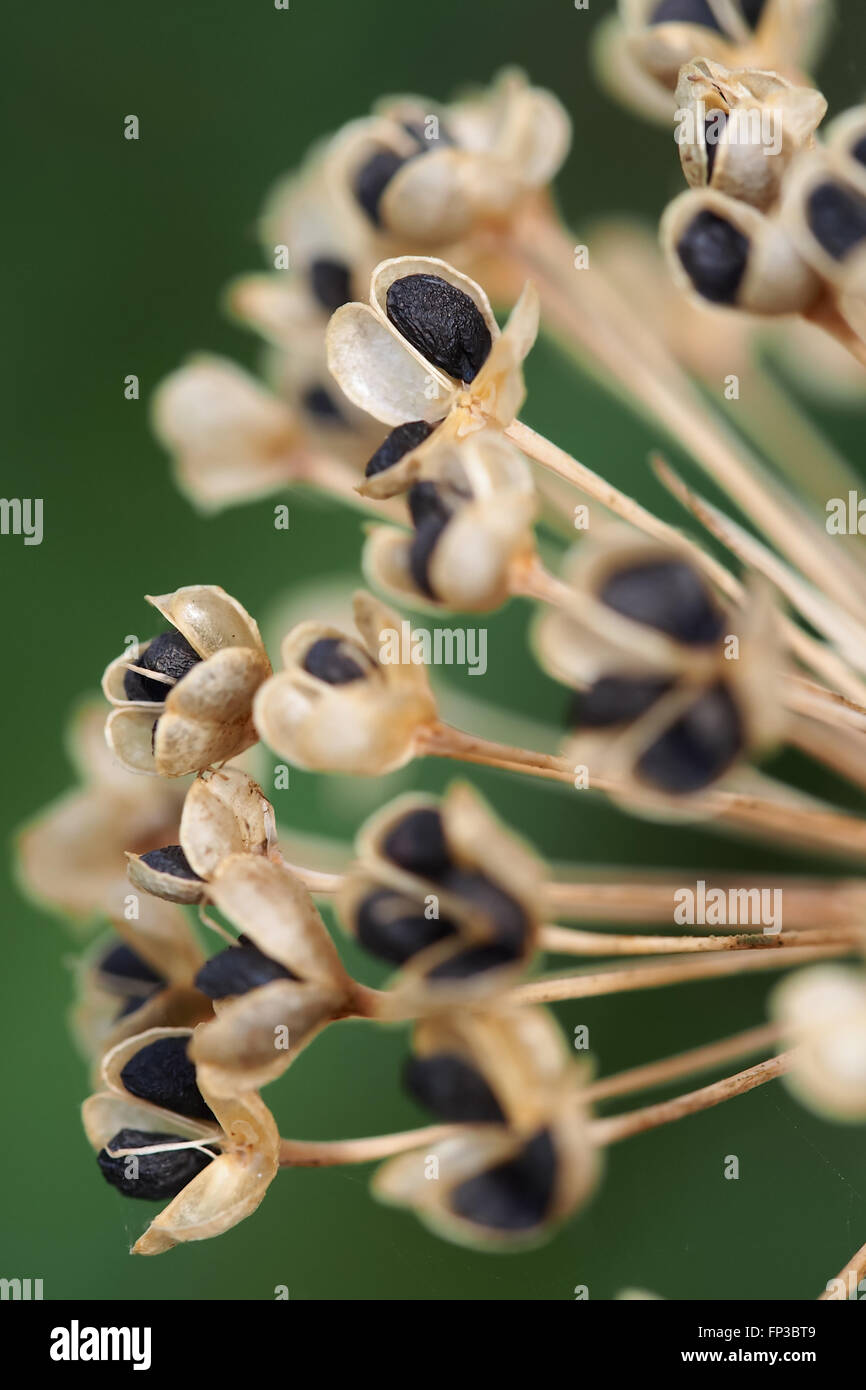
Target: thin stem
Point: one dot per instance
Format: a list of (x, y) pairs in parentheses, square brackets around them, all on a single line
[(327, 1153), (657, 974), (617, 1127), (320, 883), (671, 1068), (848, 1278), (828, 316), (568, 941)]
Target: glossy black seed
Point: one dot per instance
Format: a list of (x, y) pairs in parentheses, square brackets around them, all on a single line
[(475, 960), (330, 282), (696, 749), (858, 150), (615, 700), (714, 129), (451, 1088), (397, 444), (685, 12), (122, 963), (431, 513), (837, 218), (668, 595), (507, 920), (395, 929), (170, 860), (714, 254), (373, 178), (319, 402), (442, 322), (162, 1073), (330, 661), (752, 11), (514, 1196), (160, 1176), (417, 843), (237, 970), (171, 655)]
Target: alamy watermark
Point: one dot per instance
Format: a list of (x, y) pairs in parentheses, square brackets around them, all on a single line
[(761, 126), (22, 516), (440, 646), (729, 907)]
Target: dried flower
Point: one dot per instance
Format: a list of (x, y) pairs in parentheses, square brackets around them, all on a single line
[(523, 1158), (159, 1134), (446, 893), (183, 700), (824, 212), (823, 1011), (336, 706)]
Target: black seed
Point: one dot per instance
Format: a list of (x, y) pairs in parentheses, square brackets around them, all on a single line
[(162, 1073), (714, 129), (507, 921), (514, 1196), (668, 595), (441, 322), (373, 178), (698, 747), (397, 444), (170, 860), (395, 929), (417, 843), (686, 12), (160, 1176), (858, 151), (330, 660), (122, 963), (431, 514), (237, 970), (447, 1085), (171, 655), (714, 254), (752, 11), (319, 402), (837, 217), (615, 700), (330, 283), (474, 961)]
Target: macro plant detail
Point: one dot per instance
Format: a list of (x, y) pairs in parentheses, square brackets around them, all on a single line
[(687, 655)]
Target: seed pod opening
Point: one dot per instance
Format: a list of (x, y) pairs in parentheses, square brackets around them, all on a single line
[(454, 1090), (161, 1072), (237, 970), (331, 283), (417, 843), (514, 1196), (397, 444), (169, 654), (373, 178), (152, 1177), (318, 402), (615, 700), (668, 595), (335, 661), (697, 748), (836, 215), (441, 322), (714, 254), (685, 12), (393, 927)]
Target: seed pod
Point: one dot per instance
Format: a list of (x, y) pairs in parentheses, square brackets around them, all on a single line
[(167, 874), (161, 1072), (401, 441), (823, 1013), (157, 1176), (824, 212), (730, 254), (846, 136), (442, 322)]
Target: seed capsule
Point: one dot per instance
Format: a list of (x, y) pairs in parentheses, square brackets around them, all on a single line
[(170, 860), (373, 178), (616, 700), (685, 12), (417, 843), (397, 444), (122, 963), (515, 1195), (451, 1088), (714, 253), (162, 1073), (171, 655), (394, 927), (837, 218), (698, 747), (329, 660), (330, 282), (504, 917), (667, 595), (441, 322), (158, 1176), (237, 970)]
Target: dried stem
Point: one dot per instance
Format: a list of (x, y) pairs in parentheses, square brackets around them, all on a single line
[(326, 1153), (684, 1064), (568, 941), (849, 1278)]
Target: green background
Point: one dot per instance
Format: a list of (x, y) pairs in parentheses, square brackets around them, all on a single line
[(115, 253)]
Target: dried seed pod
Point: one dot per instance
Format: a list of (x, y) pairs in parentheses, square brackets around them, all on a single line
[(732, 255), (823, 1013), (445, 892), (403, 357), (472, 503), (235, 1152), (523, 1159), (824, 212), (204, 717), (276, 989), (846, 136), (739, 130), (364, 726)]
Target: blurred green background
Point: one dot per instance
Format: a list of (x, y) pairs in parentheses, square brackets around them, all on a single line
[(115, 254)]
